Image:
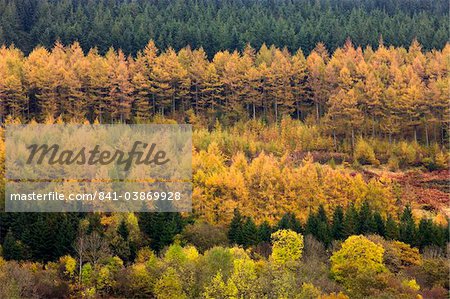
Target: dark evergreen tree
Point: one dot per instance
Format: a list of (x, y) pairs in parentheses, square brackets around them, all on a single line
[(323, 232), (351, 221), (95, 224), (123, 230), (337, 226), (425, 232), (289, 221), (264, 232), (235, 230), (322, 214), (14, 249), (365, 219), (66, 233), (407, 227), (380, 226), (392, 232), (42, 238), (311, 224), (249, 233), (122, 246), (318, 226), (160, 228), (440, 235)]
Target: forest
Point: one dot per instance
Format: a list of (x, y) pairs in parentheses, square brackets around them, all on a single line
[(218, 25), (320, 146), (295, 164), (389, 93)]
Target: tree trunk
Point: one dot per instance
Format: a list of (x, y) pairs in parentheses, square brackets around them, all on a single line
[(317, 112), (415, 134), (353, 139), (276, 111), (373, 126)]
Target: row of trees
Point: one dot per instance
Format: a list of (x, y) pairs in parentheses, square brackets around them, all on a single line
[(390, 92), (33, 237), (267, 187), (218, 25), (294, 267), (341, 225)]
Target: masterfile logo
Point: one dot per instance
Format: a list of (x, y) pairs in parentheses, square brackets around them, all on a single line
[(98, 168)]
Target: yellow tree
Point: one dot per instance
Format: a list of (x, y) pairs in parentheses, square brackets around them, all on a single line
[(198, 73), (120, 87), (299, 87), (392, 108), (344, 113), (287, 247), (40, 76), (13, 99), (413, 100), (98, 85), (358, 259), (316, 64), (141, 88), (373, 98), (279, 82), (169, 79), (232, 78), (212, 91), (70, 70), (253, 84)]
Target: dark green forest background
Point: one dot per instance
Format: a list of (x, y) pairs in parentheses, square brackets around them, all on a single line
[(222, 24)]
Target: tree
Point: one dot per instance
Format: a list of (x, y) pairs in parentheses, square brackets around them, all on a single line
[(244, 277), (289, 221), (357, 257), (344, 113), (425, 233), (287, 247), (316, 66), (407, 227), (218, 289), (351, 221), (13, 249), (337, 225), (299, 83), (40, 74), (365, 219), (160, 227), (235, 230), (169, 285), (279, 83), (121, 243), (392, 232), (204, 235), (264, 232), (120, 87), (379, 224), (142, 95), (249, 233), (13, 99), (169, 81), (98, 85), (69, 71)]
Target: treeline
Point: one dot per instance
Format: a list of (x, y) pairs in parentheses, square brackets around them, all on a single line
[(389, 93), (33, 237), (219, 25), (342, 224), (199, 264)]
